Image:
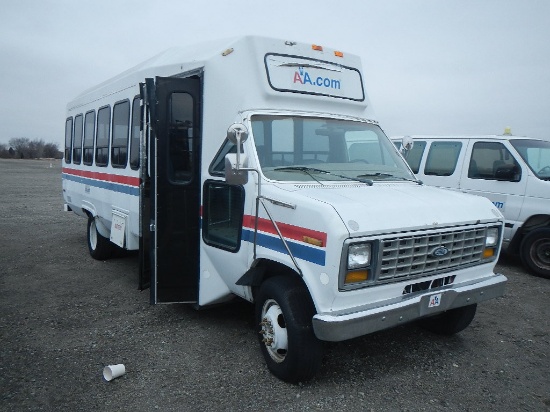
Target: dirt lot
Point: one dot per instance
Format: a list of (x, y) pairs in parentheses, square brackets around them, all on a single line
[(66, 316)]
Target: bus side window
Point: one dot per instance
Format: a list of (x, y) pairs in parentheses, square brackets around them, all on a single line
[(180, 135), (135, 134), (102, 136), (89, 129), (77, 145), (68, 138), (119, 144)]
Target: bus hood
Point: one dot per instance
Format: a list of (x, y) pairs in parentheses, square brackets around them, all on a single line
[(386, 207)]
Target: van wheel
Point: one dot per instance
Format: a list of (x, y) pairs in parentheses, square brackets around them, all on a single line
[(100, 247), (535, 251), (283, 313), (450, 322)]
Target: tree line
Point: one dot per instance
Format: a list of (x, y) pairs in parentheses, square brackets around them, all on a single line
[(25, 148)]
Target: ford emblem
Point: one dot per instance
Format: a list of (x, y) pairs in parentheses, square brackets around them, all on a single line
[(439, 251)]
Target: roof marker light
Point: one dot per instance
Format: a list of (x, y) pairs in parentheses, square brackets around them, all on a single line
[(338, 54), (315, 47)]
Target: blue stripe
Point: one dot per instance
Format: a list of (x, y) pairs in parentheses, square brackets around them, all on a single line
[(115, 187), (299, 251)]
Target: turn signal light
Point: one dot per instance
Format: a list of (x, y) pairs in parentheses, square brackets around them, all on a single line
[(357, 276), (487, 253)]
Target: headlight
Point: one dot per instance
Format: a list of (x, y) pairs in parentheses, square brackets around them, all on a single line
[(491, 243), (491, 238), (359, 255)]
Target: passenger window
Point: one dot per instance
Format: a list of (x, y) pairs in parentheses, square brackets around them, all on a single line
[(223, 215), (89, 129), (414, 156), (68, 138), (180, 138), (102, 136), (442, 158), (492, 161), (119, 144), (135, 134), (77, 145)]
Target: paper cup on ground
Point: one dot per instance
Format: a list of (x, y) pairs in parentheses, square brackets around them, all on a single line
[(113, 371)]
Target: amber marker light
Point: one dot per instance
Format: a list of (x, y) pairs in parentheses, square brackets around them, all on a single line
[(312, 241), (338, 54), (487, 253), (357, 276), (315, 47)]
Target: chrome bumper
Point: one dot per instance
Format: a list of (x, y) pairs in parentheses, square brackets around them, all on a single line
[(341, 326)]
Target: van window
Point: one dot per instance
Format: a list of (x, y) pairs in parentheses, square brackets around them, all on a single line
[(414, 156), (442, 158), (492, 161), (536, 154)]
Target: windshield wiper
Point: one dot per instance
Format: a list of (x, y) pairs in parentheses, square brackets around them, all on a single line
[(389, 175), (310, 170)]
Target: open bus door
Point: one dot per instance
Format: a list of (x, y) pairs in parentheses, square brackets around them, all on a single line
[(174, 106)]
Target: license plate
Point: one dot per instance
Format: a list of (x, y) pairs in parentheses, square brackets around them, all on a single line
[(435, 300)]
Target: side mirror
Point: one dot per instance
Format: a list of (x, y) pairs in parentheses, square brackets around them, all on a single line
[(507, 173), (406, 145), (236, 163)]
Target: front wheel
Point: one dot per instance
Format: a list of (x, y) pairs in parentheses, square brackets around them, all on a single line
[(451, 321), (535, 251), (100, 247), (283, 315)]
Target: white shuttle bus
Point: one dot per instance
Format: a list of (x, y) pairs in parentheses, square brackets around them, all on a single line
[(254, 168)]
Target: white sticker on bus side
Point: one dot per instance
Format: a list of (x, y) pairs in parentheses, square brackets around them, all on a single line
[(118, 227)]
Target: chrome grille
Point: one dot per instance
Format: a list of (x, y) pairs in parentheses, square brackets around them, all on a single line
[(412, 255)]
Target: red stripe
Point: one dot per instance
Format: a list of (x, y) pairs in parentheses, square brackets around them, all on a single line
[(288, 231), (107, 177)]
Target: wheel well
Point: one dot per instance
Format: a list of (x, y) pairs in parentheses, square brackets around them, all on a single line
[(534, 222), (265, 269)]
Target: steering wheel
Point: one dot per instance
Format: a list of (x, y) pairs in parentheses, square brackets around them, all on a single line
[(544, 170)]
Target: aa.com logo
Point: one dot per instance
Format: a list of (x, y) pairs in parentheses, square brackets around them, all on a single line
[(302, 76)]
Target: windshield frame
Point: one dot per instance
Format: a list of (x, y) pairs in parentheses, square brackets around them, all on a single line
[(330, 131)]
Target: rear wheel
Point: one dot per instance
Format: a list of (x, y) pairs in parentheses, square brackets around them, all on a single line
[(100, 247), (535, 251), (283, 314), (451, 321)]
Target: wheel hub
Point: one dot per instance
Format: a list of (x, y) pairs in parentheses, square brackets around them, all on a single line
[(273, 330)]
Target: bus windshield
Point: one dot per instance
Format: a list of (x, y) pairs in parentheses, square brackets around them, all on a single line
[(536, 154), (294, 148)]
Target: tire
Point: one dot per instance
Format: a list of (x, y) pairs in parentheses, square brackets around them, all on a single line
[(450, 322), (535, 252), (100, 247), (283, 316)]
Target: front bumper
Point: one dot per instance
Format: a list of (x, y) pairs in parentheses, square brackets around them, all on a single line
[(347, 325)]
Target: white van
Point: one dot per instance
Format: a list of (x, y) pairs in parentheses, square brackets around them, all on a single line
[(254, 168), (511, 171)]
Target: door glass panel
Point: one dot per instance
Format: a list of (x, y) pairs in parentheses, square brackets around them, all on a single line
[(180, 138), (223, 215), (491, 160)]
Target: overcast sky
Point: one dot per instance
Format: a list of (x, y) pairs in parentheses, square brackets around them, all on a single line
[(431, 66)]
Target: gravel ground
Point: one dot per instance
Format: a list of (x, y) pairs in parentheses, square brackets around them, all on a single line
[(65, 316)]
